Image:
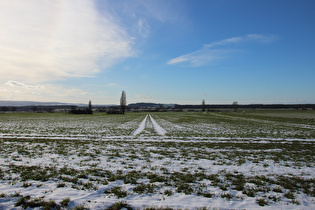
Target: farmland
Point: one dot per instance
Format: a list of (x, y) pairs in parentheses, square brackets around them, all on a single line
[(244, 159)]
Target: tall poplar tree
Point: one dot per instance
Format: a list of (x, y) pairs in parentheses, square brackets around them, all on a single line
[(90, 107), (203, 105), (123, 102)]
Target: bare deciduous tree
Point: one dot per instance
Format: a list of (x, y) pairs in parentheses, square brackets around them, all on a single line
[(235, 104), (123, 102)]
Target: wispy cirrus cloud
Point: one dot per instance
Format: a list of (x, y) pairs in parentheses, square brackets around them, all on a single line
[(142, 18), (12, 83), (52, 40), (143, 27), (220, 49)]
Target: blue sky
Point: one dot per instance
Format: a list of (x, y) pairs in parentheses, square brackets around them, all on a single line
[(162, 51)]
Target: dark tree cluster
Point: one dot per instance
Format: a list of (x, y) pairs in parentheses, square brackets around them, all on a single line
[(114, 111), (80, 111), (4, 109), (76, 110), (39, 109), (248, 106)]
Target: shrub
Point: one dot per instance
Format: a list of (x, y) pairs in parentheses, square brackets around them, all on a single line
[(156, 178), (82, 176), (65, 202), (224, 186), (168, 192), (61, 185), (120, 205), (274, 198), (251, 192), (1, 174), (16, 194), (185, 188), (74, 180), (89, 186), (22, 201), (208, 195), (296, 202), (26, 185), (27, 201), (80, 207), (226, 195), (277, 189), (261, 201), (51, 204), (214, 179), (147, 188), (118, 192), (289, 195)]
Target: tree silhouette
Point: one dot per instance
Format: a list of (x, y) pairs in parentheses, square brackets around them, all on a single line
[(203, 105), (90, 107), (235, 104), (123, 102)]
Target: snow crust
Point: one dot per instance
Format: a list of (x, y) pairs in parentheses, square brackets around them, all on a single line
[(141, 126), (159, 130), (135, 138)]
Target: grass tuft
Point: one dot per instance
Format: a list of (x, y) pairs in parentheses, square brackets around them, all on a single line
[(65, 202), (262, 201), (120, 205)]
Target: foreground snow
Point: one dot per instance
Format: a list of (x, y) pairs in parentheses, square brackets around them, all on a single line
[(152, 165)]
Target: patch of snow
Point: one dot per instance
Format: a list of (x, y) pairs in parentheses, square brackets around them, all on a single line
[(141, 127), (157, 128)]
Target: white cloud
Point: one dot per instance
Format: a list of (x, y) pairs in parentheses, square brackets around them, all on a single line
[(50, 40), (181, 59), (12, 83), (143, 27), (262, 38), (220, 49), (224, 42), (201, 57), (46, 92)]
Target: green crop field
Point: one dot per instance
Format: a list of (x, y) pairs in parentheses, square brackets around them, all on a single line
[(244, 159)]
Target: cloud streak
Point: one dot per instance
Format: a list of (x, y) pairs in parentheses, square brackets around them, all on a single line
[(13, 90), (44, 41), (220, 49), (12, 83)]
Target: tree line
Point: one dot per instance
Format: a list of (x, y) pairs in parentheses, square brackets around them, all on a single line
[(152, 107), (235, 105)]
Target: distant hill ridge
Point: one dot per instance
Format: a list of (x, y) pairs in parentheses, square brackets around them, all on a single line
[(34, 103), (143, 104)]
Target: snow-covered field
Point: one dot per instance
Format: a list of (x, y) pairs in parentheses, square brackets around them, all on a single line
[(221, 160)]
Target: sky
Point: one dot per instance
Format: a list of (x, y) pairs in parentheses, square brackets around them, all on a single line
[(161, 51)]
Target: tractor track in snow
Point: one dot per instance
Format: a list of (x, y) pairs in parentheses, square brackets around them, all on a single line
[(142, 127)]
